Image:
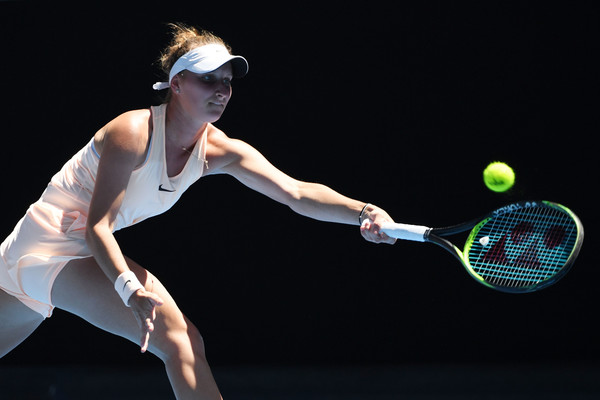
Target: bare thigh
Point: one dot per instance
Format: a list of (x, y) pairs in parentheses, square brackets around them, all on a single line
[(17, 322), (83, 289)]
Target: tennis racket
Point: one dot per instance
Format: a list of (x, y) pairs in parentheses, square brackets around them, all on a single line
[(521, 247)]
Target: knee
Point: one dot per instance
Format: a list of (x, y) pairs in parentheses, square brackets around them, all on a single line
[(182, 343)]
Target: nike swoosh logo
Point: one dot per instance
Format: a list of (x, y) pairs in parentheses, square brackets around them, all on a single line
[(160, 189)]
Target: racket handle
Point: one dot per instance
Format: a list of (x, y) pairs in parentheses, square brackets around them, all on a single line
[(415, 233)]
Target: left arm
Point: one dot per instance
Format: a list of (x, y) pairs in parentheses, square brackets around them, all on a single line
[(314, 200)]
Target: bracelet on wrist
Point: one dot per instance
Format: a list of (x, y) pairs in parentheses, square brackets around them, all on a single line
[(362, 212)]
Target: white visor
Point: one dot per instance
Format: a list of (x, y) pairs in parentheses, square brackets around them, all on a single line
[(204, 59)]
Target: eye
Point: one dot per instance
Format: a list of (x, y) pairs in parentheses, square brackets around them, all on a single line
[(207, 78), (210, 79)]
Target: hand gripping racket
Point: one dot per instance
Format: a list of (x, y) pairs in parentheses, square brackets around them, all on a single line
[(521, 247)]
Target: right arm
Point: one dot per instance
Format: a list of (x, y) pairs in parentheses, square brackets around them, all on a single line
[(122, 144)]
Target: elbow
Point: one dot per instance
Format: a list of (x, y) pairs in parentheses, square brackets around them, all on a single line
[(91, 233), (95, 231), (299, 196), (294, 193)]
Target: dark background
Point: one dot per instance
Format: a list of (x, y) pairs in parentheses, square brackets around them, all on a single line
[(399, 105)]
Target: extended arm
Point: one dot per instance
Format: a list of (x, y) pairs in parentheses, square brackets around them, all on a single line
[(242, 161)]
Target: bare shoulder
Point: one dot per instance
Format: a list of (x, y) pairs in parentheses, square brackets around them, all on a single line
[(129, 131), (222, 150), (217, 140)]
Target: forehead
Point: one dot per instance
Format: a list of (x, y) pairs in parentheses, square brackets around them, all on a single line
[(225, 69)]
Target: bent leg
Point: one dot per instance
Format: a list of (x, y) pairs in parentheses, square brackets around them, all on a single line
[(17, 322), (83, 289)]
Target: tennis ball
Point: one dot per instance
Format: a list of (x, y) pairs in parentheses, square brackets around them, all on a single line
[(498, 176)]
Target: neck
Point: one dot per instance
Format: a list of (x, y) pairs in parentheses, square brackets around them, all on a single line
[(182, 130)]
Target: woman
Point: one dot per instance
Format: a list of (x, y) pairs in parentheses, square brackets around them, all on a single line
[(63, 253)]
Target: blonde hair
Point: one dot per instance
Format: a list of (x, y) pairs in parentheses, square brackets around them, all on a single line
[(183, 39)]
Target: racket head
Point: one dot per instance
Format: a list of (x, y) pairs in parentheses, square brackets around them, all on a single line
[(524, 246)]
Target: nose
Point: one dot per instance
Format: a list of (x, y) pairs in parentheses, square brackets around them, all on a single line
[(223, 91)]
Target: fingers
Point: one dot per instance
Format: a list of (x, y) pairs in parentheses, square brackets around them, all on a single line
[(145, 342), (154, 299), (147, 328), (372, 218), (144, 309), (372, 232)]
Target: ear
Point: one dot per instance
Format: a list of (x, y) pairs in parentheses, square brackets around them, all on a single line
[(176, 83)]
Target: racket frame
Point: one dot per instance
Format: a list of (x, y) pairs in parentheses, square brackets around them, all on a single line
[(436, 236)]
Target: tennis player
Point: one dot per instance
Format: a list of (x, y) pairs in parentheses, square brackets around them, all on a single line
[(63, 253)]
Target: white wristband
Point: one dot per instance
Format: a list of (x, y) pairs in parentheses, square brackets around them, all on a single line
[(126, 285)]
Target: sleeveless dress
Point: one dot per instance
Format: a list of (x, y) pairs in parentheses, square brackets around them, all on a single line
[(52, 232)]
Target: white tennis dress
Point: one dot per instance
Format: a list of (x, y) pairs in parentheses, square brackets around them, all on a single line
[(52, 232)]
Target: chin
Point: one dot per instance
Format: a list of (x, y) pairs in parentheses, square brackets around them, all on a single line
[(214, 115), (213, 118)]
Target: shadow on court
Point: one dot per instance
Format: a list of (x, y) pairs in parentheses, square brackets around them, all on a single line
[(316, 383)]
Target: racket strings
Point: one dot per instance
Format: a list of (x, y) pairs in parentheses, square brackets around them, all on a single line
[(523, 247)]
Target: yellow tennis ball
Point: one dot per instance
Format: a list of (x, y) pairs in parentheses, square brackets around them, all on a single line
[(498, 176)]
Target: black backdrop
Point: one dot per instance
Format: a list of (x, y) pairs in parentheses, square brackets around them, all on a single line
[(399, 105)]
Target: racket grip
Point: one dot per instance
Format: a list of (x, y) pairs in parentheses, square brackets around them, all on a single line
[(415, 233)]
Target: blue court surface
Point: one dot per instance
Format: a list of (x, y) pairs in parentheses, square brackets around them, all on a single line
[(418, 382)]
